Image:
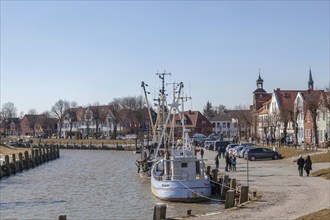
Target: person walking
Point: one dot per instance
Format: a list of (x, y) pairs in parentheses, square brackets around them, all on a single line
[(233, 163), (301, 163), (228, 162), (216, 162), (308, 165), (202, 153)]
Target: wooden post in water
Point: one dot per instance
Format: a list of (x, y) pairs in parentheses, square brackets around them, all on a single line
[(159, 211), (1, 174), (36, 154), (14, 164), (244, 196), (50, 153), (32, 159), (27, 160), (229, 199), (62, 217), (47, 154), (54, 152), (20, 162), (224, 186), (208, 170), (8, 170), (44, 154), (58, 152), (233, 185)]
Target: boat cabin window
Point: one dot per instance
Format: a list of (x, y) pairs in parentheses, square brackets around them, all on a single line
[(184, 164)]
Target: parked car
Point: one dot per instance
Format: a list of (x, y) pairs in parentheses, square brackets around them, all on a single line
[(244, 150), (219, 146), (237, 149), (230, 147), (207, 144), (261, 153)]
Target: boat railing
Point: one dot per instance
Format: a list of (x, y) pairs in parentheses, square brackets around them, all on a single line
[(178, 177)]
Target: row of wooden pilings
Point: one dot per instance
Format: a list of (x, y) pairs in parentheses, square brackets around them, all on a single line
[(37, 157)]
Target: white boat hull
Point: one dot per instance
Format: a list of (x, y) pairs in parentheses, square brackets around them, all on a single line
[(181, 191)]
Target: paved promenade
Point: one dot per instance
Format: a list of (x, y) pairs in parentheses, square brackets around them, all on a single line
[(285, 195)]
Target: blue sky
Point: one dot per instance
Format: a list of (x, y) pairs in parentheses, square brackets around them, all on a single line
[(95, 51)]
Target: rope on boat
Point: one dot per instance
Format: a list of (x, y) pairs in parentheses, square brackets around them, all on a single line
[(201, 195)]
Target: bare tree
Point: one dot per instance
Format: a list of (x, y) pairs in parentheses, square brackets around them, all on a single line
[(115, 108), (312, 104), (58, 111), (8, 111), (219, 109), (33, 120), (286, 116), (243, 116), (100, 115)]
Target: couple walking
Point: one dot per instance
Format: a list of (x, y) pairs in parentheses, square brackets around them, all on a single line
[(304, 165)]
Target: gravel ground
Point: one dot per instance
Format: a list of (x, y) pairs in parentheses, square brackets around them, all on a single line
[(284, 194)]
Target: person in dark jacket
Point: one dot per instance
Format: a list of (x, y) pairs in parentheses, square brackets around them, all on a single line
[(202, 153), (308, 165), (301, 163), (228, 162), (216, 162)]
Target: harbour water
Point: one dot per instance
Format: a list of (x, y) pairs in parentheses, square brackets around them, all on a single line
[(87, 184)]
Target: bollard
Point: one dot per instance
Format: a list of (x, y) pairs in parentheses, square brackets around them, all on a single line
[(62, 217), (27, 160), (244, 196), (229, 199), (159, 211)]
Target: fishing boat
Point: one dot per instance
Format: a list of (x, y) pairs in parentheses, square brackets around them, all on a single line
[(176, 173)]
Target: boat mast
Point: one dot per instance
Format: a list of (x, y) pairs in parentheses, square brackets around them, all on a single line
[(184, 130), (175, 110), (143, 85), (161, 117)]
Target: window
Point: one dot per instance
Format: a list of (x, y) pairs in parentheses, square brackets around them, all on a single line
[(224, 124), (228, 125), (184, 164)]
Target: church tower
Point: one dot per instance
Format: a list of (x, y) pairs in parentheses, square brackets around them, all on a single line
[(310, 81), (260, 82), (259, 95)]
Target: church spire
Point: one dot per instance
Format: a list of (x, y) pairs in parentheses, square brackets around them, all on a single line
[(260, 82), (310, 81)]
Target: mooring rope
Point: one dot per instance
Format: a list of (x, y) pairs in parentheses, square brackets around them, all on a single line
[(201, 195)]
